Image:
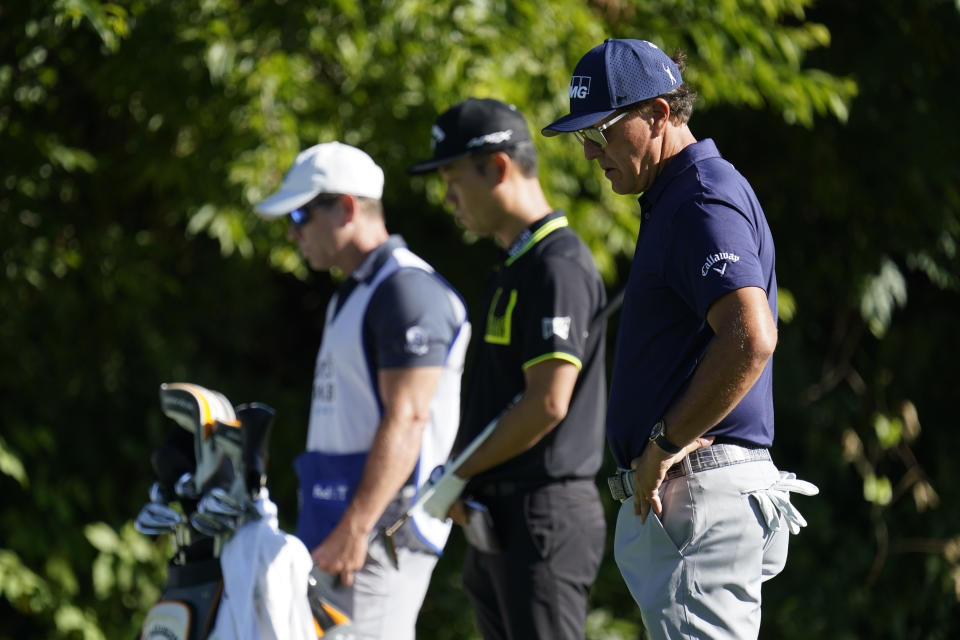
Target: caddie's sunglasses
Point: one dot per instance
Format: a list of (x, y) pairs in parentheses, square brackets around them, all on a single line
[(301, 216), (595, 134)]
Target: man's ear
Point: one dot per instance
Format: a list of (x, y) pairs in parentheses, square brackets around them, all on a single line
[(660, 114), (499, 162), (348, 205)]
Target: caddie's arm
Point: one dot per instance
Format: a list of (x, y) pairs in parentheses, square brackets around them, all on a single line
[(544, 403), (744, 341), (405, 394)]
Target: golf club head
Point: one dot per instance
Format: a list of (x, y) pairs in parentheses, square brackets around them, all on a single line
[(220, 503), (160, 494), (156, 519), (173, 459), (185, 487), (256, 419), (218, 471), (212, 524)]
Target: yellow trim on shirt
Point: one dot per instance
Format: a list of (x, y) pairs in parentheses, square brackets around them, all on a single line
[(539, 235), (556, 355)]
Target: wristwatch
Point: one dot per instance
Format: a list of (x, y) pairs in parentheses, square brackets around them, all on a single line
[(659, 438)]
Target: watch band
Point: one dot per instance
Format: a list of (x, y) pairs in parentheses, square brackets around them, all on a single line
[(659, 438)]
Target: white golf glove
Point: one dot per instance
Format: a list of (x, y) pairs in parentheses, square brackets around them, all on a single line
[(440, 494), (775, 506)]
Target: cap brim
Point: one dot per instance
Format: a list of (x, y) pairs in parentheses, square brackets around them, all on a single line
[(429, 166), (283, 202), (574, 122)]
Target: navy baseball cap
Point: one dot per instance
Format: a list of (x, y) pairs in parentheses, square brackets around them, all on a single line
[(615, 74), (476, 125)]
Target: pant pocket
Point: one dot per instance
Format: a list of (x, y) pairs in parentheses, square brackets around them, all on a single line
[(648, 559), (539, 520)]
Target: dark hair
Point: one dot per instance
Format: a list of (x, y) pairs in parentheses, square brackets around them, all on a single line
[(680, 99), (523, 154)]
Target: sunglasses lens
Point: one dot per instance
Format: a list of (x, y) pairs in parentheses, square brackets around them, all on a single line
[(298, 217), (596, 137)]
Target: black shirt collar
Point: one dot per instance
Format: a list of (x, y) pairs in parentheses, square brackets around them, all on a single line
[(517, 245)]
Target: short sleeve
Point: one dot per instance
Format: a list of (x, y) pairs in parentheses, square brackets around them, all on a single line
[(411, 320), (560, 301), (713, 250)]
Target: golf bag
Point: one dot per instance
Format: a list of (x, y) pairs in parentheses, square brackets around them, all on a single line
[(233, 573)]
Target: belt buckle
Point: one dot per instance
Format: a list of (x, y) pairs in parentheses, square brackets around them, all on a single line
[(620, 487)]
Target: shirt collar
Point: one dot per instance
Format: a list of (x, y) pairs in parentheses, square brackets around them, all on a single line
[(367, 270), (534, 234), (375, 259), (688, 156)]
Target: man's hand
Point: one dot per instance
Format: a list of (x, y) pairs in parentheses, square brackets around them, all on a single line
[(440, 495), (649, 471), (342, 553)]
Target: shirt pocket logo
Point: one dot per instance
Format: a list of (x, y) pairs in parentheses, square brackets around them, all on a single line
[(499, 318)]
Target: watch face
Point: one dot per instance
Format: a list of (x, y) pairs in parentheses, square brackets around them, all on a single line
[(657, 430)]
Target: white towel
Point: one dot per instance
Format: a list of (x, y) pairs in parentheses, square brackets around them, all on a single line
[(264, 582)]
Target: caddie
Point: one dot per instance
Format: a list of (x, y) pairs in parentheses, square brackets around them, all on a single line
[(690, 410), (385, 401)]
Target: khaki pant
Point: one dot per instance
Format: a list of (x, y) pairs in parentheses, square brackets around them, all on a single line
[(696, 571)]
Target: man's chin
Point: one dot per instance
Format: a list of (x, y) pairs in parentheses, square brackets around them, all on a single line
[(617, 187), (621, 188)]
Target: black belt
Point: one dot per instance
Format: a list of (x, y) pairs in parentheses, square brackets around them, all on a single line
[(703, 459)]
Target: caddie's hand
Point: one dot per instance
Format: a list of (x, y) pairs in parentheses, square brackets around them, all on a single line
[(649, 471), (440, 495), (342, 553)]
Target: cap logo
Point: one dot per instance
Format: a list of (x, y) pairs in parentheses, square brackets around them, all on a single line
[(672, 79), (579, 87), (491, 138), (436, 136)]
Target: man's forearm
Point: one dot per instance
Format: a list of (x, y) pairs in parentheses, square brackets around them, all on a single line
[(544, 403), (390, 462), (520, 428)]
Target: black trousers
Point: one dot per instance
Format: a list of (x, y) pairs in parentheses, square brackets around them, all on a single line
[(551, 541)]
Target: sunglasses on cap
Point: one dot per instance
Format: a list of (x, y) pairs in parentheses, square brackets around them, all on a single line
[(595, 134), (301, 215)]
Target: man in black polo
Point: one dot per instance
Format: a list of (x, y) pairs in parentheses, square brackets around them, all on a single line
[(538, 371)]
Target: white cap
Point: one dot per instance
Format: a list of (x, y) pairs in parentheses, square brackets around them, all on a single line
[(330, 167)]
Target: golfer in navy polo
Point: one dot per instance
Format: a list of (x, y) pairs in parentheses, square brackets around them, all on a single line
[(690, 413)]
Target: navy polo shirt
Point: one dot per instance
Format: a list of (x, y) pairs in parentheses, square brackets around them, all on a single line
[(703, 234)]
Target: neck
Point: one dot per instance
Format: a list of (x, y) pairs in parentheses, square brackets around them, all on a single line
[(675, 140), (364, 243), (523, 204)]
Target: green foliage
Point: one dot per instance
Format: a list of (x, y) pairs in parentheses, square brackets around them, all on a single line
[(137, 135)]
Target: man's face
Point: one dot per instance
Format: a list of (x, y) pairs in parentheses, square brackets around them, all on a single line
[(321, 236), (469, 193), (632, 154)]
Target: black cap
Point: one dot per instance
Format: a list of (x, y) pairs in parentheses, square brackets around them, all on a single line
[(476, 125)]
